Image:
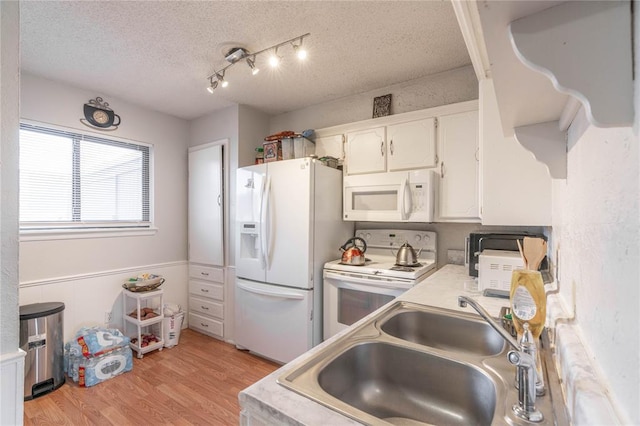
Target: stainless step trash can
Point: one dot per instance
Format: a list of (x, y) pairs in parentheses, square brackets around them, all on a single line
[(41, 337)]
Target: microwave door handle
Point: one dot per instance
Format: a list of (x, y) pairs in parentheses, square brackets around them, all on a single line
[(404, 211)]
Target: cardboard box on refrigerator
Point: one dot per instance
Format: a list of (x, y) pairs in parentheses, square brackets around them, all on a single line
[(272, 151)]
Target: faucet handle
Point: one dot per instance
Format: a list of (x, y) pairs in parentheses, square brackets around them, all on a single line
[(526, 341)]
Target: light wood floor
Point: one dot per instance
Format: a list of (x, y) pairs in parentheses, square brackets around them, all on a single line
[(194, 383)]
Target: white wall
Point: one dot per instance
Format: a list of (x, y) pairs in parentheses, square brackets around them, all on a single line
[(439, 89), (596, 229), (87, 273), (11, 358), (9, 122)]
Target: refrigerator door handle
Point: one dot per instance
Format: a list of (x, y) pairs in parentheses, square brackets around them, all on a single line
[(265, 230), (280, 294)]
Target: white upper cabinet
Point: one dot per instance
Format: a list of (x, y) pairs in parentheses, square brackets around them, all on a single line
[(403, 146), (411, 145), (458, 190), (366, 151)]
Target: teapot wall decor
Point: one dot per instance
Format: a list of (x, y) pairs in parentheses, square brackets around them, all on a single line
[(98, 115)]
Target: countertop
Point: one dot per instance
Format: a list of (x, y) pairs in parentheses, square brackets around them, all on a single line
[(585, 392), (269, 400)]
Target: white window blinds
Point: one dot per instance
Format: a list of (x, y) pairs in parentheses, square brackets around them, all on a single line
[(71, 180)]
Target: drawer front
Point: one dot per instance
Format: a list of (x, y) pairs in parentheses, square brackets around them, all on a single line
[(208, 273), (206, 289), (206, 307), (206, 325)]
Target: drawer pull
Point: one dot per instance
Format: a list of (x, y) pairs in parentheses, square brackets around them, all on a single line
[(206, 274), (205, 308), (204, 325), (204, 290)]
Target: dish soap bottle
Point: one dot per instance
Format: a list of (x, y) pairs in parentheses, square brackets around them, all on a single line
[(528, 301)]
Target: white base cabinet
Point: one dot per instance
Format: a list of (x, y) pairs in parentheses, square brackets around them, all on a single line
[(206, 300)]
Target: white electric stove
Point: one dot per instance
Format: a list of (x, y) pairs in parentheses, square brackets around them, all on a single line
[(352, 292)]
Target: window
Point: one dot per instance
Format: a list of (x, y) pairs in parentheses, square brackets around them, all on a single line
[(74, 181)]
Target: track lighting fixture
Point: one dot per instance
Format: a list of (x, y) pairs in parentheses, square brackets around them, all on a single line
[(252, 64), (237, 54)]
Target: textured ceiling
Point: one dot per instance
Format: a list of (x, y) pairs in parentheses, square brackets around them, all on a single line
[(159, 54)]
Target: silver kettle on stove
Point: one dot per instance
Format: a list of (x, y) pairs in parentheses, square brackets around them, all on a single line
[(406, 255)]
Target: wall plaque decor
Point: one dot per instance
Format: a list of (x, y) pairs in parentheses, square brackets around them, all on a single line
[(382, 106), (98, 115)]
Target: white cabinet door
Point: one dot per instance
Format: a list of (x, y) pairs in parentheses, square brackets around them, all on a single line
[(458, 154), (205, 205), (411, 145), (366, 151)]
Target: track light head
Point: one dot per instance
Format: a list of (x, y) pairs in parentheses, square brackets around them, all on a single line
[(252, 64), (301, 52), (212, 85), (220, 77), (274, 59)]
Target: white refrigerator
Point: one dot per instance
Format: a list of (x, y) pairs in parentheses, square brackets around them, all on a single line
[(288, 224)]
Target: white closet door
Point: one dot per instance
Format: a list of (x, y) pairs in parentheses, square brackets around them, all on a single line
[(206, 205)]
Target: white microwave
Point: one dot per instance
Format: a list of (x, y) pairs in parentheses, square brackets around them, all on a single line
[(390, 197)]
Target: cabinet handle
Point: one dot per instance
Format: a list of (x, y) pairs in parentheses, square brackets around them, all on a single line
[(442, 169), (219, 200), (204, 290), (206, 274), (391, 146), (204, 325), (477, 152), (382, 148), (205, 308)]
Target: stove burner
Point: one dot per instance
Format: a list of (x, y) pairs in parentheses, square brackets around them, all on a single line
[(404, 268)]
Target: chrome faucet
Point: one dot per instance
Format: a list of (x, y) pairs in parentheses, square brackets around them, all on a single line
[(523, 356)]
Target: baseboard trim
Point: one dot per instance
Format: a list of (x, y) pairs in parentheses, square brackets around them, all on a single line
[(134, 269)]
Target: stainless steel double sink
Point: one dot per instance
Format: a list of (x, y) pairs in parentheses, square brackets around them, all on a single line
[(413, 365)]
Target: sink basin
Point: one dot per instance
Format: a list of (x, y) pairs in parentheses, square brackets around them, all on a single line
[(413, 364), (394, 383), (446, 332)]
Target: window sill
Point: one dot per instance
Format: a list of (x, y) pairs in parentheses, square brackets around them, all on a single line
[(74, 234)]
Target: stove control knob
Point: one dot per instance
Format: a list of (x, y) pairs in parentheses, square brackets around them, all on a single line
[(418, 238), (361, 235), (426, 238), (368, 236)]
